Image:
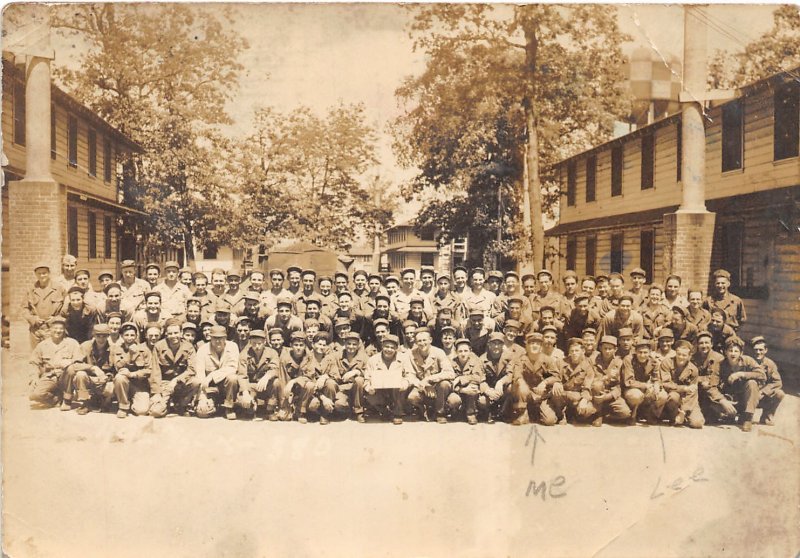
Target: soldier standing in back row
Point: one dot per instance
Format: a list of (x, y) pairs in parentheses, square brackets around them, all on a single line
[(44, 301)]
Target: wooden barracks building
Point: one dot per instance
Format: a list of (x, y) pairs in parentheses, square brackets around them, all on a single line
[(620, 206)]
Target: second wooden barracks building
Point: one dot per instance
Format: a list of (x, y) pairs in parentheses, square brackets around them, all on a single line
[(617, 197)]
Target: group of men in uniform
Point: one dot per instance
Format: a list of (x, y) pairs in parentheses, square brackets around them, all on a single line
[(283, 345)]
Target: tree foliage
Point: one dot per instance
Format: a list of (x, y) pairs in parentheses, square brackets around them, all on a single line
[(774, 51), (310, 177), (465, 124), (162, 74)]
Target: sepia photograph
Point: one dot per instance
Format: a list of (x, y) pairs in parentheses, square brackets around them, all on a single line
[(400, 280)]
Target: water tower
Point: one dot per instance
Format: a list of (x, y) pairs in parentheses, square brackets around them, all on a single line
[(655, 85)]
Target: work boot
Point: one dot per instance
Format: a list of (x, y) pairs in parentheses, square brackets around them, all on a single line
[(767, 420), (324, 420), (598, 421), (360, 418), (441, 419), (83, 409), (397, 420), (66, 405), (747, 422), (679, 419), (122, 413), (472, 420), (230, 414), (302, 419)]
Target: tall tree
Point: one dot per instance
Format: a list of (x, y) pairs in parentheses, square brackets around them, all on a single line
[(506, 89), (310, 177), (162, 74), (775, 51)]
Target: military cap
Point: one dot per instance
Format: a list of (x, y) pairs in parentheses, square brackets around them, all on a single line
[(234, 273), (148, 294), (308, 272), (194, 300), (408, 270), (609, 339), (589, 330), (625, 332), (111, 286), (377, 276), (309, 322), (544, 272), (581, 296), (666, 333), (83, 271), (426, 270), (552, 328), (129, 325), (476, 312), (445, 310), (601, 277), (683, 344), (547, 307), (152, 326), (496, 336), (658, 286), (516, 298), (616, 275), (352, 336), (101, 329), (205, 323), (626, 297), (251, 295), (318, 336), (495, 274), (199, 275), (104, 273), (422, 329), (75, 289), (57, 320), (448, 328), (341, 274), (127, 263), (528, 276), (704, 333), (569, 273), (409, 323), (643, 343), (69, 259), (275, 331), (459, 268), (444, 276), (284, 301), (534, 336), (734, 340), (296, 336), (574, 341), (276, 271), (172, 322), (358, 272), (380, 321), (219, 331), (390, 279), (152, 265), (222, 306), (340, 294), (114, 315), (294, 267), (188, 325), (475, 270), (391, 338), (757, 339), (242, 319), (259, 333), (383, 297), (673, 276), (341, 321), (462, 341), (511, 273), (722, 273), (41, 265), (313, 299), (513, 323), (416, 299), (717, 310), (324, 278), (680, 310), (171, 263), (638, 271)]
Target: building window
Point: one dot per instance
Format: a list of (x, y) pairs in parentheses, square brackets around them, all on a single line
[(92, 221), (616, 252), (648, 160), (427, 234), (591, 174), (732, 131), (616, 170), (679, 154), (53, 152), (591, 254), (19, 113), (731, 243), (210, 251), (787, 121), (107, 161), (426, 258), (72, 231), (572, 178), (92, 153), (72, 138), (572, 253), (107, 237), (647, 249)]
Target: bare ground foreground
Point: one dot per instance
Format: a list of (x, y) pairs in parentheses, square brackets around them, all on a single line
[(95, 485)]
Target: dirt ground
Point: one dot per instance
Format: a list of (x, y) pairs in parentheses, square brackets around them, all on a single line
[(96, 485)]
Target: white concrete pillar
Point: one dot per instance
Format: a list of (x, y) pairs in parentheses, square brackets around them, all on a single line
[(693, 163), (37, 119)]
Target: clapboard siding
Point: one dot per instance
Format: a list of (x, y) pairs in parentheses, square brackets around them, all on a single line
[(94, 265)]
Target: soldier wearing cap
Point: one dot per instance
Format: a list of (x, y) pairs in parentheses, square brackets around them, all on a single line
[(607, 384), (381, 329), (186, 277), (358, 323), (243, 328), (294, 275), (360, 292), (546, 295), (772, 389), (284, 320), (416, 312), (726, 301), (173, 381), (696, 314), (444, 298), (601, 289), (740, 376), (340, 282), (550, 336), (707, 360), (269, 297), (655, 314), (580, 317), (219, 281), (638, 289), (427, 277), (495, 364), (665, 340), (515, 310), (589, 338), (681, 328), (532, 376), (90, 296), (299, 373), (350, 365), (625, 342), (547, 317), (511, 290), (388, 361), (206, 299), (570, 282), (234, 294), (622, 316), (326, 296), (190, 332), (514, 333), (308, 291), (392, 285), (216, 365), (678, 377), (494, 281), (52, 357), (479, 298), (79, 316), (375, 286), (476, 331), (66, 278), (251, 310), (719, 330), (133, 364), (401, 300), (93, 376), (313, 310), (115, 321), (112, 302), (616, 288), (432, 378), (258, 382), (639, 377), (133, 288), (152, 312), (152, 274), (467, 383), (44, 300), (173, 293)]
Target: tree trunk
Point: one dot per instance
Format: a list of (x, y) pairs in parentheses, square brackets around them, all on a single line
[(534, 185)]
